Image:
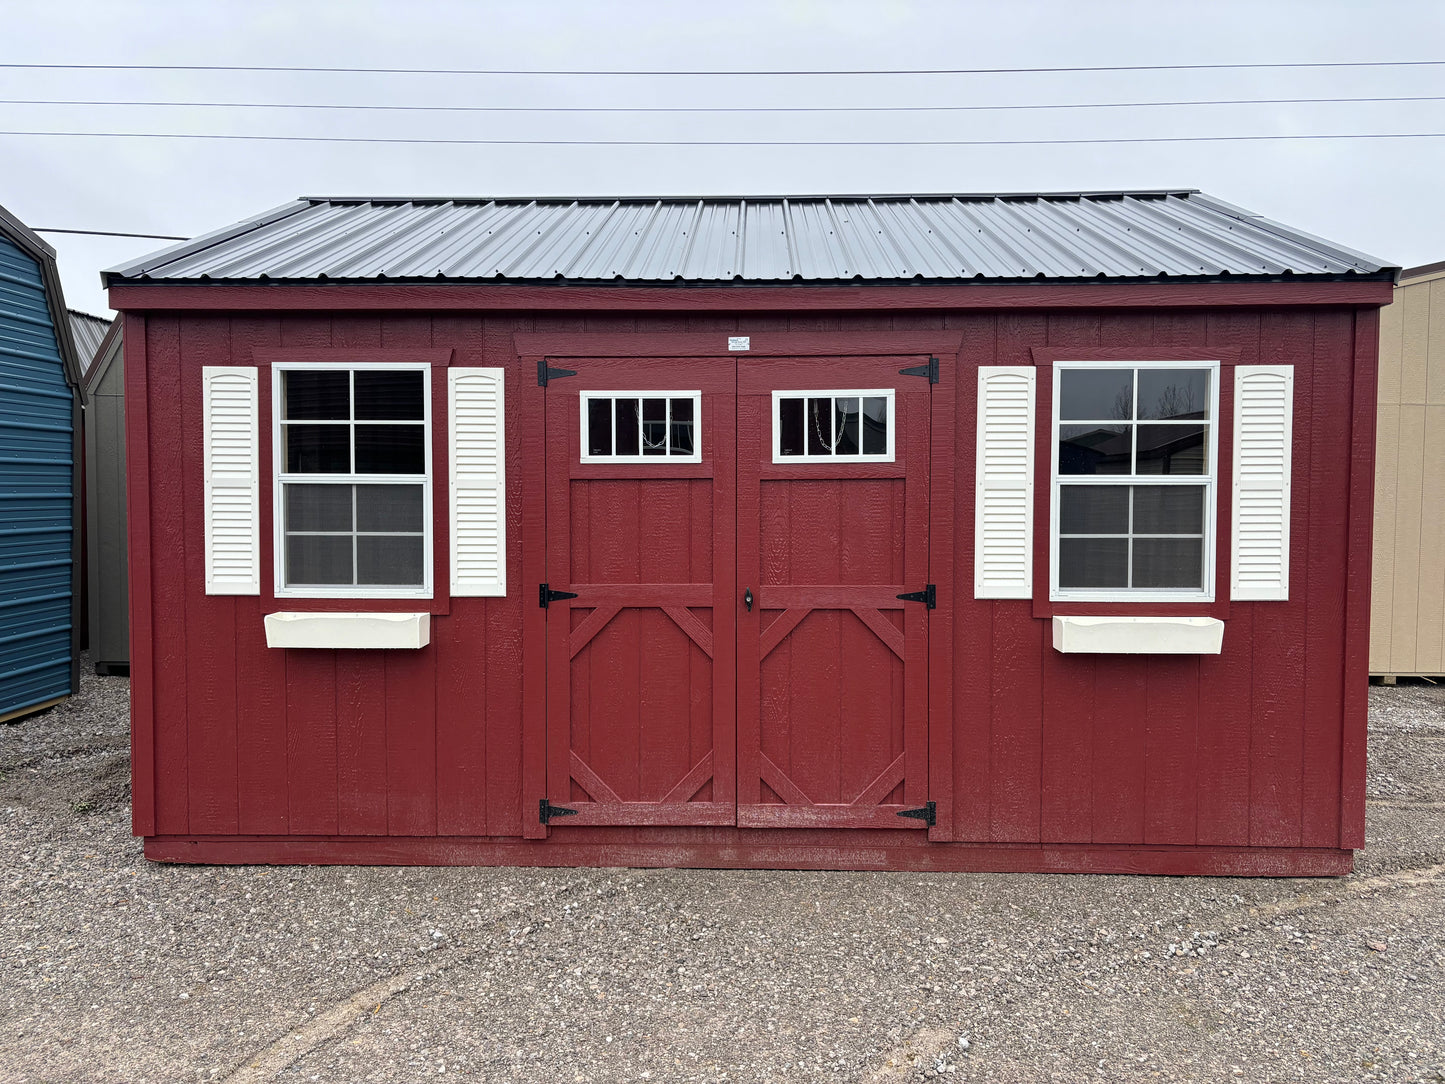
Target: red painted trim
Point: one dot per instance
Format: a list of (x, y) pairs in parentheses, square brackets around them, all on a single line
[(782, 344), (847, 849), (1358, 574), (1142, 354), (532, 414), (942, 529), (134, 297), (349, 355), (138, 541)]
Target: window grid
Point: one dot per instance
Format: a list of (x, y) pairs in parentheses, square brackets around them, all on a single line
[(830, 441), (666, 454)]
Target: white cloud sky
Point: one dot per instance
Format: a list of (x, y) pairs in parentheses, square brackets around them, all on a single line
[(1380, 196)]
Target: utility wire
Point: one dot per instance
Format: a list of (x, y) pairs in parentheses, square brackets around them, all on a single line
[(726, 142), (882, 71), (715, 109), (111, 233)]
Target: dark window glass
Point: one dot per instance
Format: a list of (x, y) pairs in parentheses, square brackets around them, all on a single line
[(318, 508), (1093, 509), (846, 426), (1095, 449), (599, 426), (627, 422), (1093, 562), (1169, 562), (389, 396), (682, 423), (875, 426), (389, 559), (390, 449), (1096, 395), (1174, 393), (820, 426), (790, 427), (317, 395), (389, 508), (317, 449), (654, 427), (318, 559), (1169, 509), (1173, 449)]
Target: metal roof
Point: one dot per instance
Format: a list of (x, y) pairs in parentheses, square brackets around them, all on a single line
[(1108, 235), (88, 331)]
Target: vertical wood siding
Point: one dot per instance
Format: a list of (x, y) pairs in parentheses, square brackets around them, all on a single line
[(1236, 750)]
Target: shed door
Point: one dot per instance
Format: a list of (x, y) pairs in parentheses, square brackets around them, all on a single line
[(833, 478), (641, 476)]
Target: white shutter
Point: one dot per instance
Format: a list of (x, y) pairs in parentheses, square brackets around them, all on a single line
[(1003, 548), (230, 421), (1263, 415), (478, 482)]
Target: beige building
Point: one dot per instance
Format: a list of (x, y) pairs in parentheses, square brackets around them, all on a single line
[(1407, 620)]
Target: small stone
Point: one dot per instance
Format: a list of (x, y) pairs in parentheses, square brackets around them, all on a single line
[(1378, 946)]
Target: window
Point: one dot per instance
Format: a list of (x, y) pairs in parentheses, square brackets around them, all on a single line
[(641, 426), (1133, 480), (821, 426), (353, 480)]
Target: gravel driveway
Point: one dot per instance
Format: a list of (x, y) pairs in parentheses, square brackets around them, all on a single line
[(113, 969)]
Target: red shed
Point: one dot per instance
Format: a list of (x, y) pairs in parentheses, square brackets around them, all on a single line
[(1024, 532)]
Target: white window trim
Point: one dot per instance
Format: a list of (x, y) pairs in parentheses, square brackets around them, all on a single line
[(279, 477), (837, 393), (627, 393), (1211, 494)]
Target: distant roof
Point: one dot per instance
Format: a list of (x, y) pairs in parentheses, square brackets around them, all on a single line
[(770, 239), (88, 331)]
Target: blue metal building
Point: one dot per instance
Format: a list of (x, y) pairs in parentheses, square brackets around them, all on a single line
[(40, 432)]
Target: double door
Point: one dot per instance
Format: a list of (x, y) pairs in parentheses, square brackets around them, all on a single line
[(727, 541)]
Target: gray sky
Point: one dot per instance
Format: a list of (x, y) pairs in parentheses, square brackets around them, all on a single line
[(1380, 196)]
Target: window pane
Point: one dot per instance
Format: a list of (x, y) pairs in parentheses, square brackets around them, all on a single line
[(846, 426), (389, 396), (318, 508), (389, 559), (1094, 449), (390, 449), (317, 449), (1093, 562), (1174, 393), (1169, 562), (388, 508), (318, 559), (654, 427), (1173, 449), (1096, 395), (790, 427), (1093, 509), (682, 423), (316, 395), (599, 426), (1169, 509), (820, 426), (875, 426), (627, 427)]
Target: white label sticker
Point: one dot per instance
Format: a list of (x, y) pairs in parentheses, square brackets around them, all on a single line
[(739, 342)]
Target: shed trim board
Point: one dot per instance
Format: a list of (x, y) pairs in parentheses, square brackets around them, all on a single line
[(759, 647)]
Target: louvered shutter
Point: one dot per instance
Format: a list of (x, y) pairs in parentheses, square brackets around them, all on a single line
[(231, 439), (478, 482), (1263, 415), (1003, 565)]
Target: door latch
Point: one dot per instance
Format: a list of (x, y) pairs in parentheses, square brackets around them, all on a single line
[(748, 599)]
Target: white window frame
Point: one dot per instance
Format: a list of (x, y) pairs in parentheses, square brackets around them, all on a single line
[(1210, 483), (279, 477), (583, 398), (837, 393)]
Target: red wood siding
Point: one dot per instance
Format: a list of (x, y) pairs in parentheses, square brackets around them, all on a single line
[(1045, 760)]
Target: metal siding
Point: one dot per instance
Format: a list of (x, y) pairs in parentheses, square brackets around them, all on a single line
[(36, 466), (813, 239), (105, 501)]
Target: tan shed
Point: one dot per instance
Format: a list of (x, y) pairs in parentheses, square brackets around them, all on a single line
[(1407, 620)]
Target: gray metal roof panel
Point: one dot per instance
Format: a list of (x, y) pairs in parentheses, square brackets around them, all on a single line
[(772, 239)]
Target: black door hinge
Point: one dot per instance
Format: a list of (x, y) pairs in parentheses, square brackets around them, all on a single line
[(546, 811), (545, 373), (930, 370), (546, 595), (928, 814), (928, 596)]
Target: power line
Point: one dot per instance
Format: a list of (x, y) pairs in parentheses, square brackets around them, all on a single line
[(830, 72), (111, 233), (725, 142), (715, 109)]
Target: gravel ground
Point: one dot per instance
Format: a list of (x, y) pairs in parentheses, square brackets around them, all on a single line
[(113, 969)]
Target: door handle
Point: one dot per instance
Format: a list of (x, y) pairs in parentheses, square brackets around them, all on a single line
[(748, 599)]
